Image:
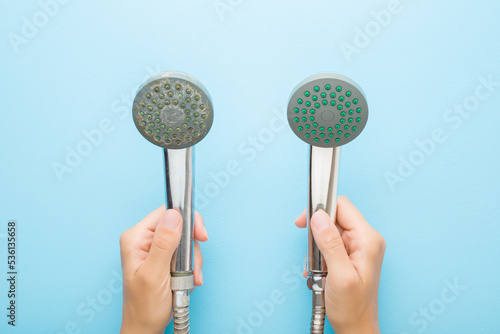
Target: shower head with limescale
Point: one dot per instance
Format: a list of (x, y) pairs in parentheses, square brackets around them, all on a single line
[(173, 110)]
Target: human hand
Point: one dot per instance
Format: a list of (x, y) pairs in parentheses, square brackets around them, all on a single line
[(353, 252), (146, 253)]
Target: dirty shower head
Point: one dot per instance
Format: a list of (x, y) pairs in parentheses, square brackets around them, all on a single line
[(327, 110), (173, 110)]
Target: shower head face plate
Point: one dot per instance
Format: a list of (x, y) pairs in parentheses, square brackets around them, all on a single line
[(173, 110), (327, 110)]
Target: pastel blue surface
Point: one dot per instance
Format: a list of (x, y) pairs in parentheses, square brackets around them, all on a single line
[(423, 70)]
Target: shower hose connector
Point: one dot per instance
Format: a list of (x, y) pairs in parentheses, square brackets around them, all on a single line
[(316, 282), (181, 287)]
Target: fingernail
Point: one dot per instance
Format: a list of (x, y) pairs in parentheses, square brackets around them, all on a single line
[(171, 219), (320, 220), (206, 233), (201, 277)]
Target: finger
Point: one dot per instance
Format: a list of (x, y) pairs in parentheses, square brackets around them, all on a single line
[(330, 244), (305, 273), (136, 241), (200, 232), (151, 220), (134, 248), (348, 216), (301, 221), (198, 265), (166, 240), (131, 258), (128, 261)]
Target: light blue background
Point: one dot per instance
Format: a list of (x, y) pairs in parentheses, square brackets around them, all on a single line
[(440, 224)]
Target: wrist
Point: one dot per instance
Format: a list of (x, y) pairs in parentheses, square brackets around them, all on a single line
[(129, 327), (360, 328)]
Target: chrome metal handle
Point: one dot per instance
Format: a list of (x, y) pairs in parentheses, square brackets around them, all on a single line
[(323, 177), (179, 195)]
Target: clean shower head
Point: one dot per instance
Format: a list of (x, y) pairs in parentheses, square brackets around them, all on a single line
[(173, 110), (327, 110)]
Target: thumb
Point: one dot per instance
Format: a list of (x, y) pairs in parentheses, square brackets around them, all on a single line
[(330, 244), (165, 242)]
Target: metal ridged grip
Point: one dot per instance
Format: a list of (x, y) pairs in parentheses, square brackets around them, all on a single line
[(181, 320), (318, 320), (316, 283), (180, 301)]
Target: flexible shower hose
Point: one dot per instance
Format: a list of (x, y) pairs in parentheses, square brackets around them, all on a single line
[(318, 314), (180, 315), (180, 300), (316, 283)]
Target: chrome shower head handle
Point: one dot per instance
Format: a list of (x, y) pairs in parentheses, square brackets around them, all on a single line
[(326, 111), (173, 110)]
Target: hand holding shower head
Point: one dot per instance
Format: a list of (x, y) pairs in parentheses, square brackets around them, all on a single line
[(173, 110), (326, 111)]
